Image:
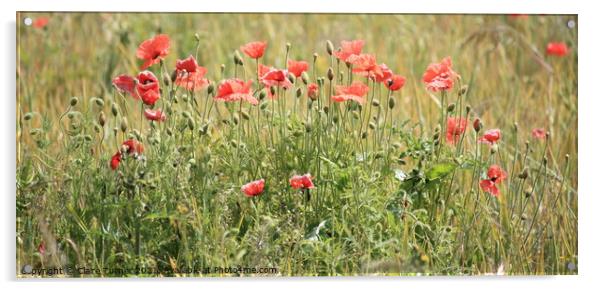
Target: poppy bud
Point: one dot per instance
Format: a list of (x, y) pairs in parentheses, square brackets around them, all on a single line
[(355, 115), (185, 98), (73, 101), (273, 90), (237, 58), (288, 46), (235, 119), (375, 103), (102, 120), (335, 119), (299, 92), (436, 135), (325, 109), (71, 115), (222, 68), (308, 127), (372, 125), (391, 103), (233, 143), (197, 37), (166, 79), (524, 174), (330, 74), (97, 128), (477, 125), (262, 95), (451, 107), (210, 88), (291, 78), (28, 116), (244, 115), (263, 106), (305, 78), (88, 138), (168, 131), (124, 124), (545, 161), (315, 56), (463, 90), (364, 135), (329, 47), (114, 110), (191, 124), (115, 130), (438, 128), (468, 109), (99, 102)]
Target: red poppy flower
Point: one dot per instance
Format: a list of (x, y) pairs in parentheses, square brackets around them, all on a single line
[(190, 75), (491, 136), (148, 87), (354, 92), (153, 50), (126, 84), (519, 16), (253, 188), (440, 76), (276, 77), (365, 65), (539, 133), (40, 22), (455, 129), (234, 90), (557, 49), (263, 69), (385, 75), (154, 115), (297, 67), (254, 49), (495, 175), (42, 248), (395, 83), (313, 91), (115, 160), (133, 147), (301, 181), (348, 49)]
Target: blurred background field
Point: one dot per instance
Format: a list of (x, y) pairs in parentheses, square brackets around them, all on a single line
[(502, 57)]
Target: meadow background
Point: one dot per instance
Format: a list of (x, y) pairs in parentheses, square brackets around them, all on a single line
[(64, 191)]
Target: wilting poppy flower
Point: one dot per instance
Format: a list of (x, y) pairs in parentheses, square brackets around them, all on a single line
[(301, 181), (539, 133), (354, 92), (254, 49), (190, 75), (385, 74), (365, 65), (126, 84), (276, 77), (455, 129), (557, 49), (234, 90), (313, 91), (297, 67), (154, 115), (148, 87), (40, 22), (253, 188), (153, 50), (440, 76), (495, 175), (491, 136), (348, 49), (115, 160), (133, 147), (395, 82)]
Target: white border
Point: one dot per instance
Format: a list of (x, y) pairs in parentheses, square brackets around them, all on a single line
[(590, 121)]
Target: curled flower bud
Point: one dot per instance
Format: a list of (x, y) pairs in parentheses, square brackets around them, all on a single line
[(73, 101)]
